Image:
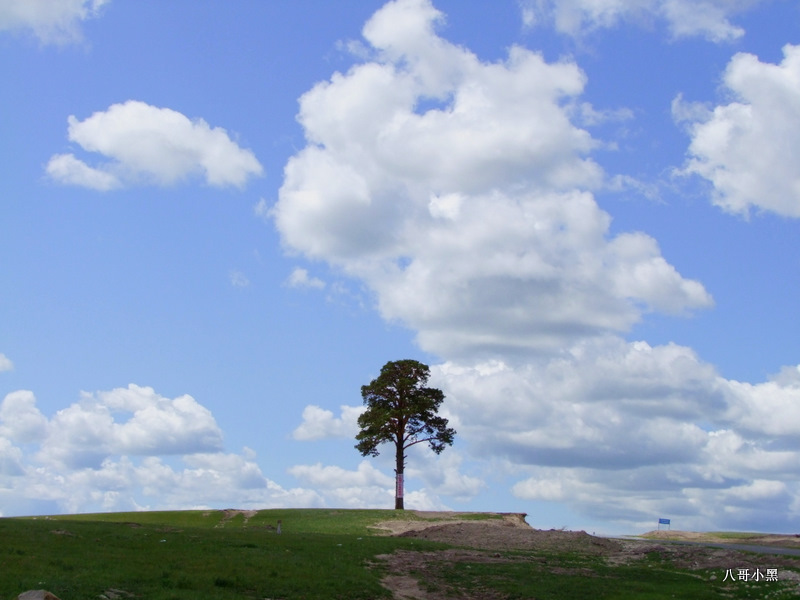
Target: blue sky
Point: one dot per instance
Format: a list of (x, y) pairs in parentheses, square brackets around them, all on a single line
[(220, 219)]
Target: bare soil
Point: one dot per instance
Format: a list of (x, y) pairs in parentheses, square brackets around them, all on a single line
[(230, 513), (487, 540), (766, 539)]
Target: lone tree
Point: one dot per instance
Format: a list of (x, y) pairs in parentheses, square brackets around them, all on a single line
[(400, 409)]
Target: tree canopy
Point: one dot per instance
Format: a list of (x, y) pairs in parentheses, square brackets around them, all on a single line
[(402, 410)]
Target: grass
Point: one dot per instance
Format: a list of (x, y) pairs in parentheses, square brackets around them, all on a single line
[(296, 520), (738, 536), (320, 554), (731, 535), (565, 576), (186, 555)]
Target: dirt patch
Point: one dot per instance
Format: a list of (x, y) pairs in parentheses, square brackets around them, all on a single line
[(767, 539), (504, 536), (704, 557), (230, 513), (62, 532), (404, 587), (416, 575), (428, 519)]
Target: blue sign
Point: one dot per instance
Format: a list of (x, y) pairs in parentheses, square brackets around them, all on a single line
[(663, 521)]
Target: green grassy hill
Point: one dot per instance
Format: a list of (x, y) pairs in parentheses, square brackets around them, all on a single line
[(331, 554), (198, 554)]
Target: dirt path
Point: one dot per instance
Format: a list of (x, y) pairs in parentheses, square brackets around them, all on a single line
[(481, 541)]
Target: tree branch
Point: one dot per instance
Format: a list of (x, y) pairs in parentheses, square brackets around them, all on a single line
[(419, 441)]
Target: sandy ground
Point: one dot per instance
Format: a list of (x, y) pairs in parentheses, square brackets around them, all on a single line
[(481, 541)]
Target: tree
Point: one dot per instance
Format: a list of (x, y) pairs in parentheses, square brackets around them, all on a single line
[(400, 409)]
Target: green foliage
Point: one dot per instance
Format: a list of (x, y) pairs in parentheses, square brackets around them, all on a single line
[(401, 409)]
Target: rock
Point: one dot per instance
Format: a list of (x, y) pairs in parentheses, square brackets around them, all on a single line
[(37, 595)]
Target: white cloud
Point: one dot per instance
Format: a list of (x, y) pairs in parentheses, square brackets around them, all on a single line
[(65, 168), (621, 431), (319, 423), (366, 487), (238, 279), (124, 484), (748, 148), (460, 193), (470, 220), (127, 449), (299, 278), (694, 500), (86, 433), (20, 420), (5, 363), (787, 376), (684, 18), (146, 144), (333, 477), (604, 404), (769, 410), (261, 209), (52, 21), (10, 459), (708, 19), (442, 475)]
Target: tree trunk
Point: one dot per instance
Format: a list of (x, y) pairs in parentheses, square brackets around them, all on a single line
[(398, 488)]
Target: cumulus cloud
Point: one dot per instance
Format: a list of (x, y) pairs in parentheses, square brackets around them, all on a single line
[(140, 143), (10, 459), (439, 476), (635, 497), (20, 419), (89, 431), (366, 487), (52, 21), (442, 475), (460, 193), (709, 19), (472, 220), (605, 404), (622, 431), (319, 423), (5, 363), (127, 484), (748, 148), (334, 476), (369, 487), (127, 449), (65, 168)]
